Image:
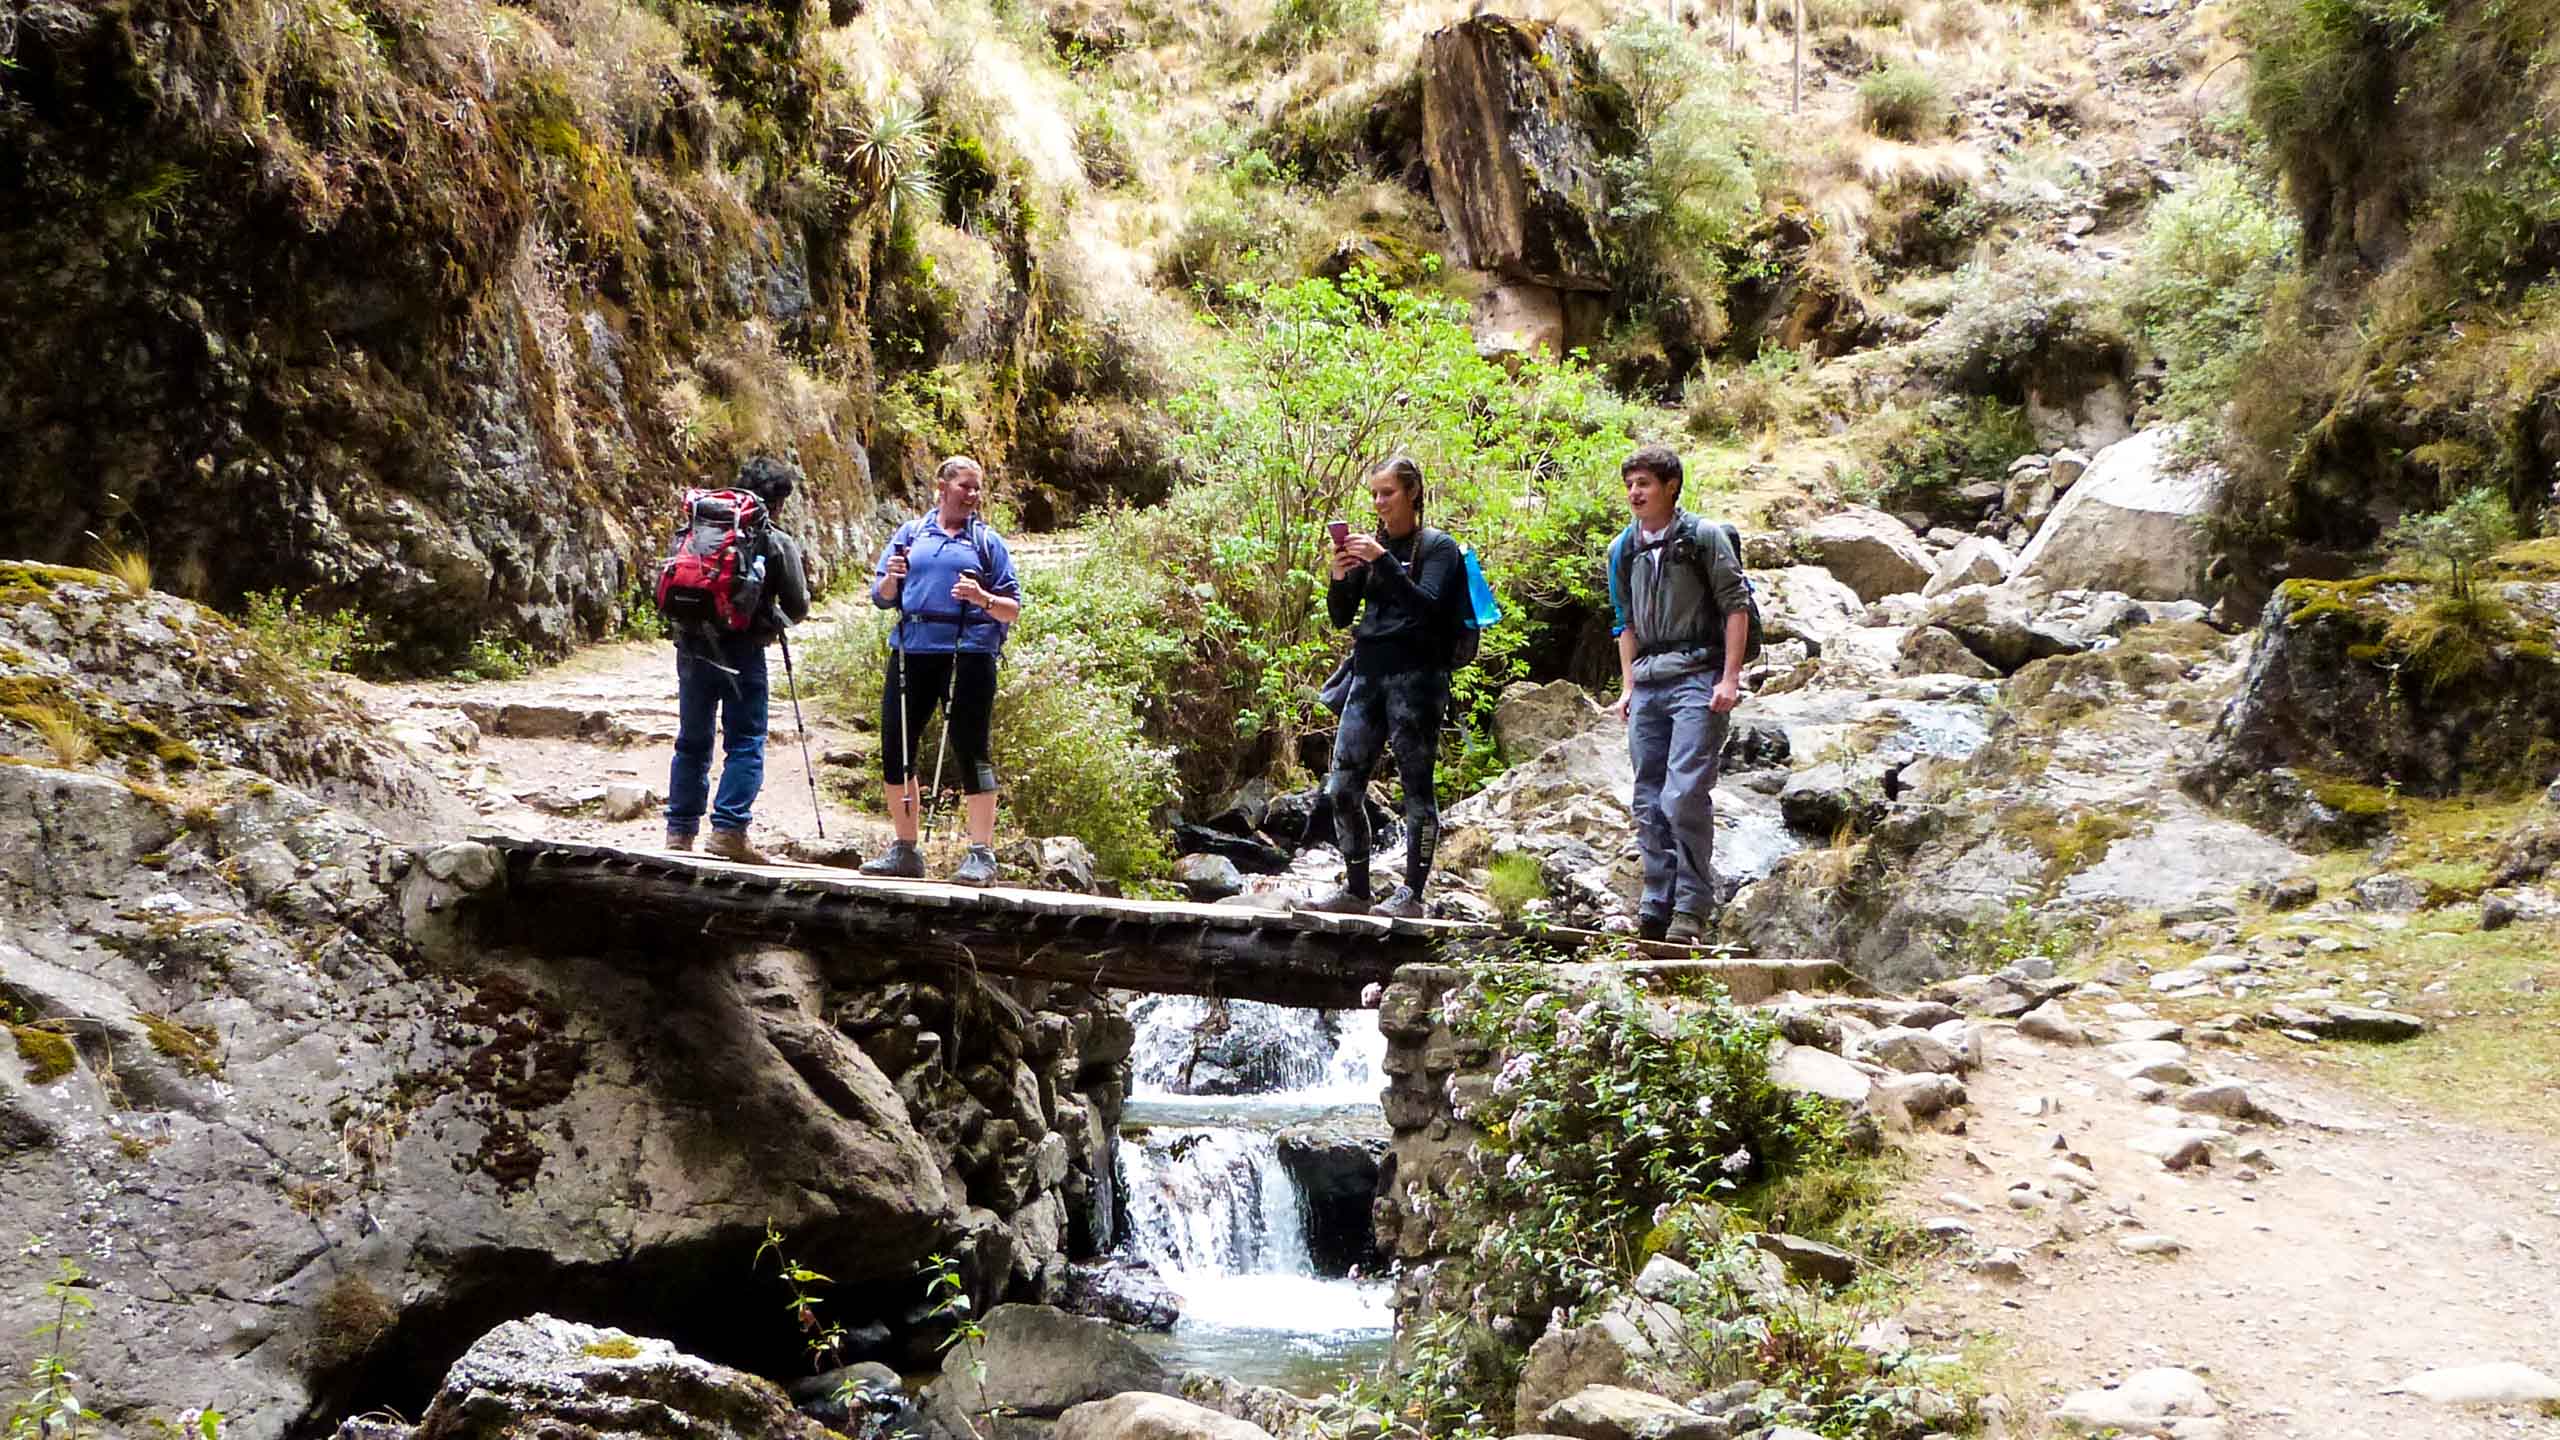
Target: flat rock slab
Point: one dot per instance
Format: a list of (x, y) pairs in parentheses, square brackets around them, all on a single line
[(2140, 1405), (2502, 1383)]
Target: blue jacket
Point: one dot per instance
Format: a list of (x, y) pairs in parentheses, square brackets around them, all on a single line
[(930, 622)]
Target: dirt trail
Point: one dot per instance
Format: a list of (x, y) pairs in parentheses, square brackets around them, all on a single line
[(607, 714), (2369, 1243)]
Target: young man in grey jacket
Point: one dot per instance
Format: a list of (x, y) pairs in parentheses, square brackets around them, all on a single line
[(1683, 628)]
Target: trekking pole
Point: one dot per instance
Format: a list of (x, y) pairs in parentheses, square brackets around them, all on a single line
[(816, 811), (950, 697)]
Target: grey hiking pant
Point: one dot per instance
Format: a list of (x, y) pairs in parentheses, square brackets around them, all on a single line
[(1676, 738)]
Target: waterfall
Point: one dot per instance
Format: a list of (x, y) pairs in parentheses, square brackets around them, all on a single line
[(1211, 1204), (1211, 1201)]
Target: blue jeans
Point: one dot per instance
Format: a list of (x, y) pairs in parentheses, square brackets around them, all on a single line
[(1676, 738), (703, 691)]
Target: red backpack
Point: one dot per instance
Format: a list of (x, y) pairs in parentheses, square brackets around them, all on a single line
[(714, 573)]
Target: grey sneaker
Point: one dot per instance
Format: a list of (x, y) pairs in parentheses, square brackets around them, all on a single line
[(901, 861), (1402, 905), (978, 867), (1686, 930), (679, 839), (1344, 901)]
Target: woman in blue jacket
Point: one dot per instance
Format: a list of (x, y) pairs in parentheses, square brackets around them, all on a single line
[(951, 580)]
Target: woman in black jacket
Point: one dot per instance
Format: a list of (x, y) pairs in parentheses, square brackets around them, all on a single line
[(1394, 580)]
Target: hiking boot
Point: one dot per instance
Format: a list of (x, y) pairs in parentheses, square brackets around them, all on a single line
[(978, 867), (1651, 927), (1686, 930), (1402, 905), (1345, 901), (679, 839), (901, 861), (732, 845)]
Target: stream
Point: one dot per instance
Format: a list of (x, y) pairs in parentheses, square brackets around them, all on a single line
[(1214, 1206)]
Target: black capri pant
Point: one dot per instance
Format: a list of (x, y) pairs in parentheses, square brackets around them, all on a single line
[(917, 683)]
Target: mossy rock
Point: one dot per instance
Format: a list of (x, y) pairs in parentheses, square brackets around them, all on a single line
[(49, 1053), (194, 1047)]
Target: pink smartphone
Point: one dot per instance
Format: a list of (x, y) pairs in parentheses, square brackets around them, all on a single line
[(1341, 531)]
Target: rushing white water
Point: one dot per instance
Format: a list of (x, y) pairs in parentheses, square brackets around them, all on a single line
[(1208, 1201)]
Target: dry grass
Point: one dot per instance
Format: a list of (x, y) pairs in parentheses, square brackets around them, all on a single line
[(128, 568), (62, 728)]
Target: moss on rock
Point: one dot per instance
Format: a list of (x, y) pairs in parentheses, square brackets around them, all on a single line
[(48, 1052)]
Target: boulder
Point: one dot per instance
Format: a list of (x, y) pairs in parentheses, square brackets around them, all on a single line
[(1806, 602), (1976, 560), (2141, 1405), (1809, 1259), (1902, 1048), (542, 1375), (1123, 1292), (1934, 650), (1613, 1412), (2360, 1022), (1066, 863), (1819, 799), (1869, 551), (1563, 1362), (2134, 522), (2051, 1022), (2498, 1383), (2390, 893), (1530, 717), (2315, 708), (1336, 1169), (1251, 856), (629, 800), (1999, 625), (1802, 1069), (1209, 877), (1520, 317), (1518, 127), (1143, 1416), (1040, 1361), (1920, 1096)]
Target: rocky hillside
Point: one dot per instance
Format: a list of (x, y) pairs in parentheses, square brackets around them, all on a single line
[(306, 1139)]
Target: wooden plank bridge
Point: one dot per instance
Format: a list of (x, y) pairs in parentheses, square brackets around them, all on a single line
[(1284, 957)]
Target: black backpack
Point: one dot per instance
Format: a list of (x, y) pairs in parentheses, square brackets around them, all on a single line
[(1461, 639), (1692, 547)]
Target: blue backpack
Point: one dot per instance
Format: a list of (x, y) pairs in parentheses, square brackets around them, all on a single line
[(1468, 611)]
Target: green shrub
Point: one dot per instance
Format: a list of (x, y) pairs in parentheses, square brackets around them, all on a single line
[(315, 640), (2502, 222), (1681, 203), (1903, 102), (1298, 26), (1513, 881), (1725, 401), (496, 657), (2210, 257), (1071, 748), (2456, 539), (2037, 316), (1322, 379), (1617, 1120), (1927, 454)]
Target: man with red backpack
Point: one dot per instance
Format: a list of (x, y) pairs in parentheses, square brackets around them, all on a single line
[(732, 582)]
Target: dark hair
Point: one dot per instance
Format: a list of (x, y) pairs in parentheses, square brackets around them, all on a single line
[(1660, 461), (1408, 473), (773, 479)]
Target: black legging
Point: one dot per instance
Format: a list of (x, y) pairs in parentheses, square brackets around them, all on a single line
[(1406, 709), (972, 719)]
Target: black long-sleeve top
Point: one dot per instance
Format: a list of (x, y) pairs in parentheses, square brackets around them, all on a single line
[(1400, 628)]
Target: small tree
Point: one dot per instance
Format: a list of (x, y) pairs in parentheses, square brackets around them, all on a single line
[(2456, 538)]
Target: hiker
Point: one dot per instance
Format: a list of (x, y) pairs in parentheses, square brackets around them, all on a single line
[(1683, 628), (951, 580), (1396, 581), (720, 673)]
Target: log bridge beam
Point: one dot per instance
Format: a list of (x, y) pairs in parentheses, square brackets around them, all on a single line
[(1282, 957)]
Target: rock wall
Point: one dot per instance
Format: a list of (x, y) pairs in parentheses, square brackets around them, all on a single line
[(429, 313), (308, 1142)]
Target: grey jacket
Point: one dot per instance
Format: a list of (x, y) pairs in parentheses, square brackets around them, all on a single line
[(1675, 604)]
